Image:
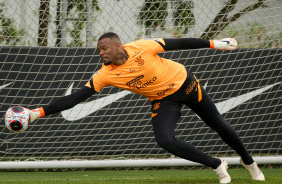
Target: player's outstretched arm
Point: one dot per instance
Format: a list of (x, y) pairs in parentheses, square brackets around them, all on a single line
[(62, 103), (196, 43)]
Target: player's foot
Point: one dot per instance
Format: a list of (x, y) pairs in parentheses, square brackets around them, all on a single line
[(254, 171), (222, 173)]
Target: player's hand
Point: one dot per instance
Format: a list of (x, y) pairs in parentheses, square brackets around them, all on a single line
[(224, 44), (35, 113)]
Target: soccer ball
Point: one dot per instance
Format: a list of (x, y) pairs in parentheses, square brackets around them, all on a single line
[(17, 119)]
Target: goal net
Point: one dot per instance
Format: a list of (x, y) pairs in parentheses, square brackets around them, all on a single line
[(48, 51)]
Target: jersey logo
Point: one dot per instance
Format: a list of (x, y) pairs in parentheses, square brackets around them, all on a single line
[(156, 106), (118, 73), (132, 70), (135, 80), (140, 61), (154, 114), (137, 84), (190, 88), (169, 87)]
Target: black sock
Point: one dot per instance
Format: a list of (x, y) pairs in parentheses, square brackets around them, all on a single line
[(215, 163)]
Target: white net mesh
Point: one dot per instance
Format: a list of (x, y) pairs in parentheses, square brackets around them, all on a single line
[(255, 23), (245, 84)]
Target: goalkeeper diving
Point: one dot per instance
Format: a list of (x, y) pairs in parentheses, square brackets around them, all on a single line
[(137, 67)]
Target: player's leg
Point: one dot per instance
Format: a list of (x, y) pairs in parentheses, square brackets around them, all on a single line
[(208, 112), (164, 126)]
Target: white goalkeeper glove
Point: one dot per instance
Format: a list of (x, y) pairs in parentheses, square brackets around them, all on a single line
[(36, 113), (224, 44)]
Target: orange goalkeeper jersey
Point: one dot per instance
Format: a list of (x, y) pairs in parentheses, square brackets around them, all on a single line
[(144, 72)]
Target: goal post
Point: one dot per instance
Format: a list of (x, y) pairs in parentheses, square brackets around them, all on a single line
[(129, 163), (113, 128)]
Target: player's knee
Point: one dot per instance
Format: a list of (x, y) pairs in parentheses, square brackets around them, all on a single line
[(166, 141), (219, 124)]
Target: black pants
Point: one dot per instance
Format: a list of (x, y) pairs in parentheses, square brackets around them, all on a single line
[(167, 112)]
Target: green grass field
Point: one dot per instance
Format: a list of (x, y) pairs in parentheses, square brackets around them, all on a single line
[(204, 176)]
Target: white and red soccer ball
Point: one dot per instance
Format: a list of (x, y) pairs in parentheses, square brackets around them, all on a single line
[(17, 119)]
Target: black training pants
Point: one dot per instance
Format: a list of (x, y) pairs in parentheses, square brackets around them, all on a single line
[(164, 124)]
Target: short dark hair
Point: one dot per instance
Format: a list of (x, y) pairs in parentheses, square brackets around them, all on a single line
[(110, 35)]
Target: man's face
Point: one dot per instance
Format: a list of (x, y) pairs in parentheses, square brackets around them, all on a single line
[(108, 50)]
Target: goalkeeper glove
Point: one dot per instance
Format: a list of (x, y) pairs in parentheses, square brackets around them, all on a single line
[(224, 44), (36, 113)]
